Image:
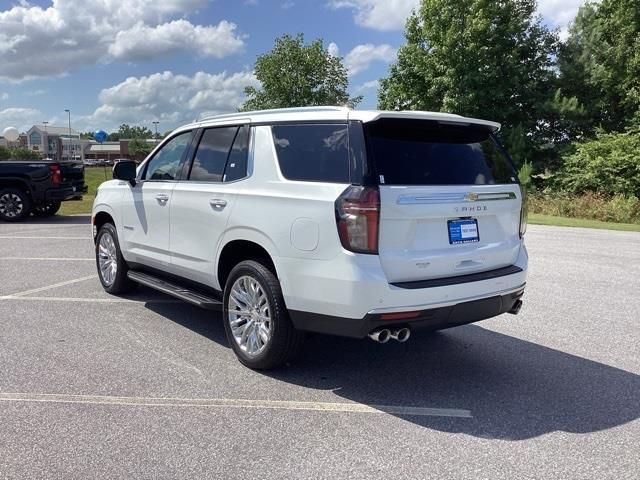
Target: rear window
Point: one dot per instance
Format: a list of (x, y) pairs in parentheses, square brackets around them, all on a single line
[(419, 152), (313, 152)]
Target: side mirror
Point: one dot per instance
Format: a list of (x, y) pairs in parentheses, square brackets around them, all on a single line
[(125, 170)]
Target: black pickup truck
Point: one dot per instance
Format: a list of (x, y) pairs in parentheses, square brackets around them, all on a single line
[(38, 187)]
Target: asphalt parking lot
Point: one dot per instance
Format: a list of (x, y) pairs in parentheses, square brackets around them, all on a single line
[(94, 386)]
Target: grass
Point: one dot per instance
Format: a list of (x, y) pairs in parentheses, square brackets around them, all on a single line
[(93, 177), (540, 219)]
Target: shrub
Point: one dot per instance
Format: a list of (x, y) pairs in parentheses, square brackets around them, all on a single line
[(608, 165), (591, 206)]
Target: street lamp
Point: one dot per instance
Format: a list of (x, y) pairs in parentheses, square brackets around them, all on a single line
[(69, 153), (46, 140), (156, 124)]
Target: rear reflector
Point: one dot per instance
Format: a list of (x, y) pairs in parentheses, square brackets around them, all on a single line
[(399, 315)]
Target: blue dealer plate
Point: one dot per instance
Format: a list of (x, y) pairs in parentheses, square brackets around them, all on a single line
[(463, 231)]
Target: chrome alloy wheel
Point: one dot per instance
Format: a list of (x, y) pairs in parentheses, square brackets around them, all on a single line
[(11, 205), (249, 315), (107, 258)]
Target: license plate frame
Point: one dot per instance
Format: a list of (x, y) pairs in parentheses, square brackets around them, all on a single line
[(461, 236)]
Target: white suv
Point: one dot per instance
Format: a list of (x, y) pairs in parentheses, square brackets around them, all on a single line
[(330, 220)]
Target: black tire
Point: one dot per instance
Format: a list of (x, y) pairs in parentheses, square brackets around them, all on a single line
[(119, 283), (285, 341), (48, 209), (15, 204)]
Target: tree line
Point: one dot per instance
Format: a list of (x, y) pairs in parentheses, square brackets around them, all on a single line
[(564, 105)]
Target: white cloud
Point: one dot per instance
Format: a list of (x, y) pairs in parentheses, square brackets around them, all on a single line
[(170, 98), (20, 118), (360, 57), (4, 96), (39, 42), (366, 86), (333, 50), (379, 14), (142, 42)]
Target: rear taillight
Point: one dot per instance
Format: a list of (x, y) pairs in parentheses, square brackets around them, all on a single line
[(357, 217), (523, 212), (56, 174)]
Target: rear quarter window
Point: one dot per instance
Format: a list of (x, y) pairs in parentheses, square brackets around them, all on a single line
[(419, 152), (313, 152)]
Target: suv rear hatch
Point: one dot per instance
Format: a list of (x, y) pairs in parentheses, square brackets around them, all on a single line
[(450, 199)]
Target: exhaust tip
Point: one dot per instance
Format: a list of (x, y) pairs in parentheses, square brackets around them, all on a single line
[(403, 335), (516, 307), (380, 336)]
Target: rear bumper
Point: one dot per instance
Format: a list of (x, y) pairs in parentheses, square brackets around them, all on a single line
[(436, 318), (65, 193)]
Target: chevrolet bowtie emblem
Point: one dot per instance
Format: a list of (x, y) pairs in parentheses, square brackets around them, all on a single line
[(471, 197)]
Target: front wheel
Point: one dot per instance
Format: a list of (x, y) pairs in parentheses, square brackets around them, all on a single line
[(256, 320), (112, 268), (48, 209)]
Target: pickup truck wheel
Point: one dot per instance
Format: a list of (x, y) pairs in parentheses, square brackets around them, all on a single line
[(256, 320), (15, 204), (47, 209), (112, 268)]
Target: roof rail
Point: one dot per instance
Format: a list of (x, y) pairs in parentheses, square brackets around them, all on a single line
[(275, 110)]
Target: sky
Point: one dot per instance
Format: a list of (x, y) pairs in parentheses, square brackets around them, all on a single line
[(137, 61)]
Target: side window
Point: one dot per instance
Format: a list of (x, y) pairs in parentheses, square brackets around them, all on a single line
[(165, 164), (211, 155), (313, 152), (237, 163)]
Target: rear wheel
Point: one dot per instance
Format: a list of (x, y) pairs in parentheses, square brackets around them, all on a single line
[(47, 209), (112, 268), (256, 320), (15, 204)]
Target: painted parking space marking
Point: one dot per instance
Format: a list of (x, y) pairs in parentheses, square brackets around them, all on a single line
[(89, 300), (48, 287), (45, 259), (28, 237), (331, 407)]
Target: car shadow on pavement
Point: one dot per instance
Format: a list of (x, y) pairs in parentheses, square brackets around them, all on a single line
[(57, 220), (514, 389)]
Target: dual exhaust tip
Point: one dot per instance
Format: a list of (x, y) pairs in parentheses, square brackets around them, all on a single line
[(384, 335)]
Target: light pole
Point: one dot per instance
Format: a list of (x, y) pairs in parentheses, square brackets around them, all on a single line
[(46, 140), (156, 124), (69, 152)]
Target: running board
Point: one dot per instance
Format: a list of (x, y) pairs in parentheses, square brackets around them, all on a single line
[(193, 297)]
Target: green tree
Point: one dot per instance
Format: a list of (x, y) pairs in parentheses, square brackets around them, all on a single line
[(4, 153), (139, 148), (295, 74), (128, 131), (480, 58), (600, 63), (21, 153)]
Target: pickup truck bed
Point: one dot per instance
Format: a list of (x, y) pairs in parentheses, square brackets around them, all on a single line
[(38, 187)]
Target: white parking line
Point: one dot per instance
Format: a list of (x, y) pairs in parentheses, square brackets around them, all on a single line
[(23, 237), (331, 407), (48, 287), (39, 259), (89, 300)]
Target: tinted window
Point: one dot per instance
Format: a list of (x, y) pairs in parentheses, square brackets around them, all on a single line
[(418, 152), (212, 153), (165, 164), (237, 163), (313, 152)]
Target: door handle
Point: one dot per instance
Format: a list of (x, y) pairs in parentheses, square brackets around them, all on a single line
[(162, 197), (218, 203)]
